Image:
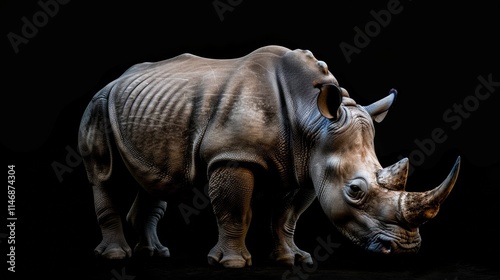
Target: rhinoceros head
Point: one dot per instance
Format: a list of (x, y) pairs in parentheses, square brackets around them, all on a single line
[(366, 202)]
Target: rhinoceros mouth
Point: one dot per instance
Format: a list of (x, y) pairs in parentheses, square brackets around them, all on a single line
[(386, 244)]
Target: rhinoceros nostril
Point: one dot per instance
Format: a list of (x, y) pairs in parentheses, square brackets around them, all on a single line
[(386, 246), (381, 244)]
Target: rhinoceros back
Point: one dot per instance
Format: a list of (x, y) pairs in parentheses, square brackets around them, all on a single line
[(172, 116)]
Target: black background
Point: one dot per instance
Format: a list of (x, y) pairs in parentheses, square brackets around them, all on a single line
[(433, 53)]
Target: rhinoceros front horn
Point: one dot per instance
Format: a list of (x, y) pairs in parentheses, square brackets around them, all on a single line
[(419, 207)]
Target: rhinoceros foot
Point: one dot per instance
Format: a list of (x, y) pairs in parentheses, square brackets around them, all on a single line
[(113, 250), (229, 257), (157, 250), (291, 256)]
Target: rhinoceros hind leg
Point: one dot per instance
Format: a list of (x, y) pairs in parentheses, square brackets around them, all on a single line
[(96, 147), (113, 244), (144, 216), (230, 191)]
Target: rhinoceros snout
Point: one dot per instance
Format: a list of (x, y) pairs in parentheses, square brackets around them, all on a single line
[(382, 244), (386, 244)]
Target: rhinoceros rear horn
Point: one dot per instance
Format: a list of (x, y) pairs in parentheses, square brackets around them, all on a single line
[(394, 177), (329, 100), (378, 110)]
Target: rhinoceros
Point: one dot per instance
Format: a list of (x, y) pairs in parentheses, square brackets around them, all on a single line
[(276, 114)]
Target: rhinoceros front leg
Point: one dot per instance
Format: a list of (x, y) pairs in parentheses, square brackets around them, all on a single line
[(230, 191), (285, 216), (144, 216), (113, 244)]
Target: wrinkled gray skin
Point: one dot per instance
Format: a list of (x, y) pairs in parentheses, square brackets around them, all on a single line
[(279, 112)]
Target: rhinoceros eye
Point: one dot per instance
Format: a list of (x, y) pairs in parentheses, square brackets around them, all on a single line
[(354, 188), (355, 191)]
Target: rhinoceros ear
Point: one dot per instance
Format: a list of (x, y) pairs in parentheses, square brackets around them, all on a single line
[(329, 99), (378, 110)]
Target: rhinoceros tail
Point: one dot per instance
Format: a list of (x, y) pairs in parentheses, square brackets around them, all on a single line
[(94, 139)]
